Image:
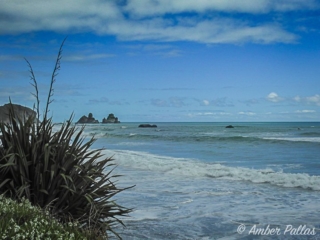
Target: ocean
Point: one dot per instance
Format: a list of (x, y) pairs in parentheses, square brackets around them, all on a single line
[(205, 181)]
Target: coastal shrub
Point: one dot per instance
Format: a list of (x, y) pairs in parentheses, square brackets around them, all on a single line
[(58, 170), (21, 220)]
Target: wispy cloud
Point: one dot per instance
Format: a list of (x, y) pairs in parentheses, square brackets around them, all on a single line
[(171, 102), (177, 101), (213, 114), (10, 57), (18, 94), (86, 57), (247, 113), (15, 91), (149, 19), (205, 102), (251, 102), (216, 30), (168, 89), (164, 50), (104, 100), (297, 98), (142, 8), (159, 103), (218, 102), (315, 99), (305, 111), (76, 57)]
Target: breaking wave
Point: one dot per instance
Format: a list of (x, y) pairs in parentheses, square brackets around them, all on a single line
[(184, 167)]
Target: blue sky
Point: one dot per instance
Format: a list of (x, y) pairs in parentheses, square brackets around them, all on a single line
[(164, 60)]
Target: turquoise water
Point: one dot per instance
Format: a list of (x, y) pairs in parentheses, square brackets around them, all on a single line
[(202, 180), (292, 147)]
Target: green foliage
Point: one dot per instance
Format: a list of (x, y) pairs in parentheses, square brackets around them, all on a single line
[(58, 170), (24, 221)]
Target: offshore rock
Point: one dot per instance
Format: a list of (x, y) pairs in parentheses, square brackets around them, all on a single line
[(147, 125), (229, 126), (90, 119), (20, 111), (110, 119)]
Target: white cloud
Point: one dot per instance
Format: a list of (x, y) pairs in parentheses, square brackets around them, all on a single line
[(206, 114), (218, 30), (86, 57), (142, 8), (206, 102), (297, 98), (247, 113), (314, 99), (106, 17), (57, 15), (305, 111), (218, 102), (104, 100), (273, 97), (159, 103), (177, 102)]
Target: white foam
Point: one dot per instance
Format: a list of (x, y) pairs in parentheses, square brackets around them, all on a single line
[(132, 144), (138, 215), (295, 139), (182, 167), (187, 201)]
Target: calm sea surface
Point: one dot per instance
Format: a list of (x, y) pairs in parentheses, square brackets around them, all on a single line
[(205, 181)]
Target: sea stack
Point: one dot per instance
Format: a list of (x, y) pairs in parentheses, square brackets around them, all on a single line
[(110, 119), (90, 119)]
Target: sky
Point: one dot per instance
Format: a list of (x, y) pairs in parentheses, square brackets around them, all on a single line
[(165, 60)]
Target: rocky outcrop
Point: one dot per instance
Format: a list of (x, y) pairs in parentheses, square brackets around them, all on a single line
[(147, 125), (229, 126), (90, 119), (110, 119), (20, 111)]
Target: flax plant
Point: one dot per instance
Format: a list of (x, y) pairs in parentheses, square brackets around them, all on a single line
[(58, 170)]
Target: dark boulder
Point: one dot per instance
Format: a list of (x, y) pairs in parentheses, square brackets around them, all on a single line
[(20, 111), (229, 126), (147, 125)]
